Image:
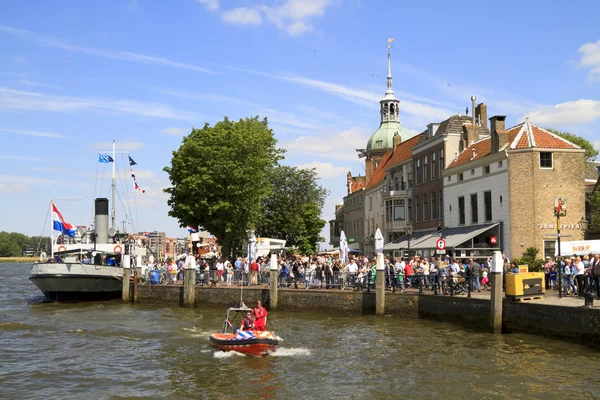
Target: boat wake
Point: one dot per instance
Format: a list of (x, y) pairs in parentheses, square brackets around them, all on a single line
[(227, 354), (290, 352)]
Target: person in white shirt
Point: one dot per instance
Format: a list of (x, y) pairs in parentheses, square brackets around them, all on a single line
[(220, 269), (579, 275)]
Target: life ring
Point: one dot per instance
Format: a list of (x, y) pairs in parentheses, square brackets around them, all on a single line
[(118, 249), (43, 257), (62, 248)]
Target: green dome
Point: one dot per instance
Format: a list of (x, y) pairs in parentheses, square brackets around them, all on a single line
[(383, 138)]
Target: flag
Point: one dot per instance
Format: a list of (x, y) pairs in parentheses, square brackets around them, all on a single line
[(131, 162), (191, 229), (60, 224), (137, 187), (132, 174), (105, 158)]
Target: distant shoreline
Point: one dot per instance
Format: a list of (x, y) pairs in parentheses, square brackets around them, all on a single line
[(18, 259)]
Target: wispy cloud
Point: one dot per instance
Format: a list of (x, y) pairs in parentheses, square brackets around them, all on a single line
[(211, 5), (126, 145), (29, 132), (20, 158), (22, 100), (117, 55), (29, 83), (325, 169), (578, 112), (590, 58), (340, 146), (13, 188), (242, 16), (32, 180), (174, 131)]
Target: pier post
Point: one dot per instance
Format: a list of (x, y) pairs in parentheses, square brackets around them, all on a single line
[(496, 301), (126, 278), (189, 282), (273, 289), (136, 276), (380, 286)]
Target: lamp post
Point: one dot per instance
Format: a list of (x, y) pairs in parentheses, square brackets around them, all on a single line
[(251, 238), (409, 231), (583, 224), (558, 211)]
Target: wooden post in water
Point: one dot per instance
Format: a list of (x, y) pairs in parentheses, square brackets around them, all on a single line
[(126, 278), (273, 289), (380, 286), (189, 282), (135, 284), (496, 301)]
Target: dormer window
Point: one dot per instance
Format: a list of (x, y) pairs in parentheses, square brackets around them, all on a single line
[(379, 143)]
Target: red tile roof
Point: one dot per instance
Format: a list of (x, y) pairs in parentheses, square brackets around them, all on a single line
[(402, 153), (522, 136), (379, 173)]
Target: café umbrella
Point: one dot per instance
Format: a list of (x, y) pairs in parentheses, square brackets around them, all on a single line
[(378, 242), (343, 247)]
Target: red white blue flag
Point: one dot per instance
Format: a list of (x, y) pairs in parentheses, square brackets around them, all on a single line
[(60, 224)]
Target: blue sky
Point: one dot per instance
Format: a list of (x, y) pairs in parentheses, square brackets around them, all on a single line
[(75, 75)]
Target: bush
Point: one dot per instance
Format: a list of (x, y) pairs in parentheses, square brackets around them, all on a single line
[(530, 259)]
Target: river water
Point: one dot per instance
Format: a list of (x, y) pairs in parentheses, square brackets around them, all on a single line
[(117, 351)]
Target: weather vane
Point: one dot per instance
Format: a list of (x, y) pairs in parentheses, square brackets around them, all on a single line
[(389, 43)]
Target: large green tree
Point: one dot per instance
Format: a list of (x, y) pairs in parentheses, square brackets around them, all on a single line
[(220, 178), (590, 152), (309, 230), (283, 210)]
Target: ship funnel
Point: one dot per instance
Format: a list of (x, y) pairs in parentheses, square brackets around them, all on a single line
[(101, 220)]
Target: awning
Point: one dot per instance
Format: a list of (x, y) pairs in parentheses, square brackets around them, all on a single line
[(402, 243), (454, 236)]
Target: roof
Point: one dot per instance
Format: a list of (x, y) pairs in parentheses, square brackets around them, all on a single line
[(383, 138), (454, 126), (522, 136), (379, 173), (403, 151)]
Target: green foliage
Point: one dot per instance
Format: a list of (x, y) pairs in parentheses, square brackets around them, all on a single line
[(13, 244), (590, 152), (309, 229), (594, 205), (530, 259), (284, 209), (220, 178)]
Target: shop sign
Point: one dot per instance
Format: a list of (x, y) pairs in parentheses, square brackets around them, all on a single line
[(562, 226)]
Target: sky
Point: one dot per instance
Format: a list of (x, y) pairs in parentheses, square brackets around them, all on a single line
[(75, 75)]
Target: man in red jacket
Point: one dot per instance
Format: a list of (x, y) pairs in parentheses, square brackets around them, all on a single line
[(260, 317)]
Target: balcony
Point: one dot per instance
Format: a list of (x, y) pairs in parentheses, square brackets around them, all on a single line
[(391, 193), (395, 226)]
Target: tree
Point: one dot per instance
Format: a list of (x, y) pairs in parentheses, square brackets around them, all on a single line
[(590, 152), (9, 249), (220, 177), (293, 188), (594, 206), (310, 229)]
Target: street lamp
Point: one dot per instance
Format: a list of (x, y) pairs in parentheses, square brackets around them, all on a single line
[(583, 223), (409, 231), (251, 241)]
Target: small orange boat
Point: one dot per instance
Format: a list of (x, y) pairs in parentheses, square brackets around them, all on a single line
[(255, 343)]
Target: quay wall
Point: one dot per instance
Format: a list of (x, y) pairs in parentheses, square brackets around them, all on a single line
[(573, 323)]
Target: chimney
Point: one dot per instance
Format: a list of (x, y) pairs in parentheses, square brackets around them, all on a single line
[(481, 114), (369, 169), (349, 182), (397, 140), (470, 133), (499, 135)]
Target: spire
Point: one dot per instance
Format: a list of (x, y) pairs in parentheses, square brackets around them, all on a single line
[(389, 74)]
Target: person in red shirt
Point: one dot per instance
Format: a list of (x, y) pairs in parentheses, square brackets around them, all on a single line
[(408, 270), (254, 267), (260, 317)]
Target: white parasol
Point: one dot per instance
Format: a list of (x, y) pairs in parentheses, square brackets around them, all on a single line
[(343, 247), (378, 242)]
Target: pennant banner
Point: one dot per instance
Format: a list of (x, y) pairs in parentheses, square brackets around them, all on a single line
[(105, 158)]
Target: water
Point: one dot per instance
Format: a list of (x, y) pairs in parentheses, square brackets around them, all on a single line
[(117, 351)]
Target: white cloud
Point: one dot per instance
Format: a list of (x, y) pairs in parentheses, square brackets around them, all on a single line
[(578, 112), (242, 16), (338, 147), (20, 158), (127, 145), (590, 57), (29, 132), (32, 180), (174, 131), (22, 100), (325, 169), (293, 15), (211, 5), (117, 55), (14, 188), (28, 83)]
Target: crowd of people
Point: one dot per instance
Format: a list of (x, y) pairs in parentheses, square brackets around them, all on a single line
[(579, 274)]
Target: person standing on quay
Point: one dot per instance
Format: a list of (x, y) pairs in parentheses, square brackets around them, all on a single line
[(254, 272), (260, 317)]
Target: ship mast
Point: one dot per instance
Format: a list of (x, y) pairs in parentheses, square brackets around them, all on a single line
[(112, 203)]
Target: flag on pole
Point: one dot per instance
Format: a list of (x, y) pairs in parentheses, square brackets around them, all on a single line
[(137, 187), (60, 224), (105, 158), (191, 229), (131, 162)]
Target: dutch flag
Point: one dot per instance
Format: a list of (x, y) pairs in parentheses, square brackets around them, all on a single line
[(60, 224), (191, 229)]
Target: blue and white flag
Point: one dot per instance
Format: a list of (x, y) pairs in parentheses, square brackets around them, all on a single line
[(131, 162), (105, 158)]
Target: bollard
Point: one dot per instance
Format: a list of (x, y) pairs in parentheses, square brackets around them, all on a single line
[(126, 284), (420, 284), (470, 281), (135, 285), (496, 300), (588, 300), (273, 290), (189, 287), (451, 280), (380, 286), (435, 285)]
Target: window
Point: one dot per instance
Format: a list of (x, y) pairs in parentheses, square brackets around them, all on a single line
[(449, 179), (379, 143), (472, 172), (434, 170), (370, 203), (474, 211), (418, 174), (396, 183), (545, 159), (425, 170), (441, 201), (441, 160), (410, 209), (417, 209), (487, 204), (500, 164), (486, 169), (460, 177), (433, 209), (399, 210), (409, 179), (549, 248), (425, 208), (461, 210), (388, 210)]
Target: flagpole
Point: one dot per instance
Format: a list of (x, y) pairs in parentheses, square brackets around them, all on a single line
[(112, 213), (51, 232)]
